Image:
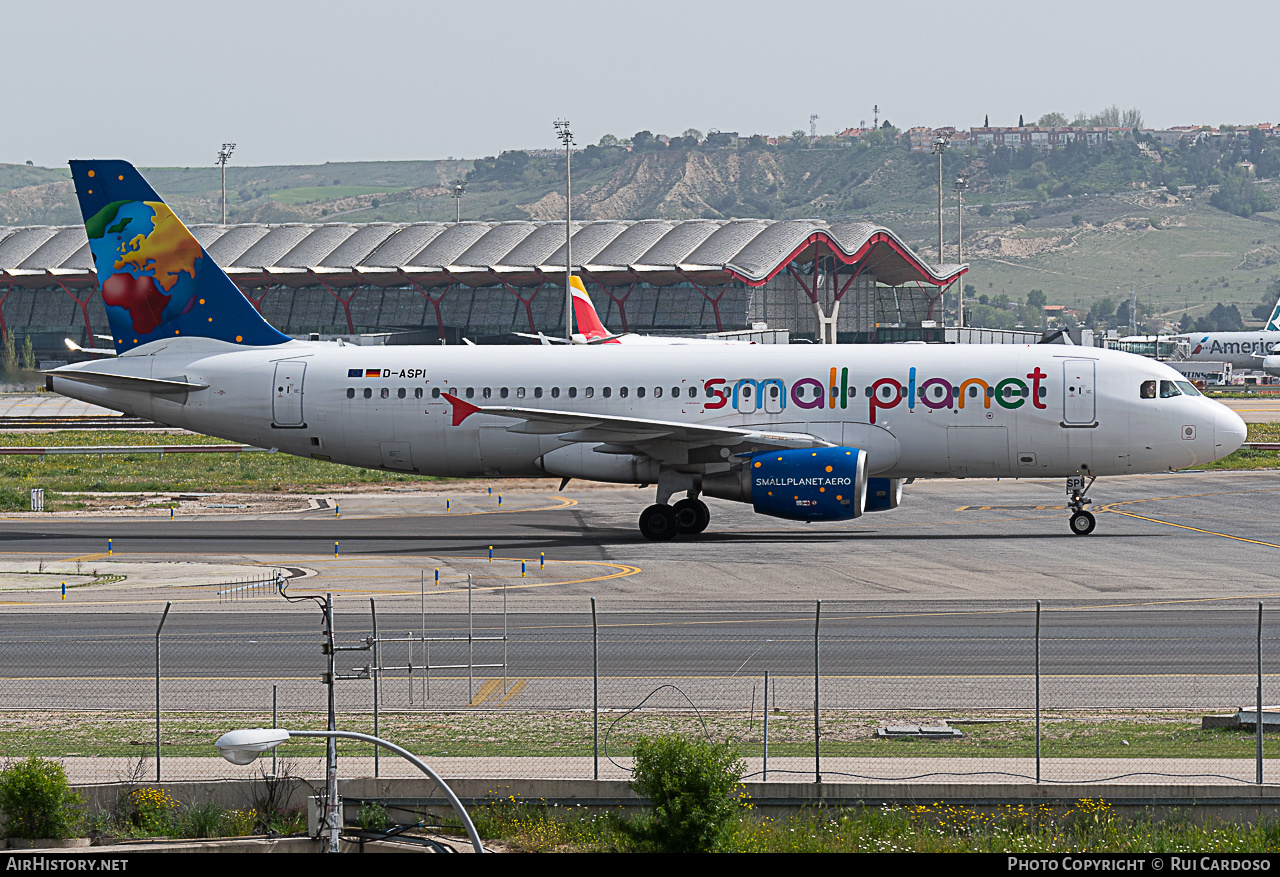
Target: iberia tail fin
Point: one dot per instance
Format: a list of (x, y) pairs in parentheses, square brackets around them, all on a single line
[(157, 280), (585, 318)]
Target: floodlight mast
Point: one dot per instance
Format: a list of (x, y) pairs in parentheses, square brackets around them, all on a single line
[(223, 155), (938, 146), (565, 133), (960, 184), (459, 187)]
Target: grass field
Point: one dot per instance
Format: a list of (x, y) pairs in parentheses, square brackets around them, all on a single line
[(516, 734)]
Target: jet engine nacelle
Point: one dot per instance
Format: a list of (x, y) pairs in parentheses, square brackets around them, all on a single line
[(822, 484), (1271, 364), (883, 494)]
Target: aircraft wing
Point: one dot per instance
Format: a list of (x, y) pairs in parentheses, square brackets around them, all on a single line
[(647, 436)]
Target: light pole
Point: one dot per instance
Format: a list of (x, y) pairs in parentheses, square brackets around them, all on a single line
[(458, 188), (224, 154), (938, 146), (244, 746), (565, 133), (960, 184)]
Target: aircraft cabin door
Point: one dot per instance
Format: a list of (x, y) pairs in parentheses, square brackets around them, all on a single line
[(286, 401), (1079, 400)]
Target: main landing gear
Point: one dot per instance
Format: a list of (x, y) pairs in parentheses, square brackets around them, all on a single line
[(1082, 521), (661, 522)]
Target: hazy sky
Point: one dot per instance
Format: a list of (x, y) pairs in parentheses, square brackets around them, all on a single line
[(164, 83)]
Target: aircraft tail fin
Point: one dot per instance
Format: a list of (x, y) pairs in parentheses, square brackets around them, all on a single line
[(157, 280), (585, 318), (1273, 324)]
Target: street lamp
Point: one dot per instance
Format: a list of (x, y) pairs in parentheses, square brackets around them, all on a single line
[(960, 184), (224, 154), (245, 745), (938, 146), (565, 133)]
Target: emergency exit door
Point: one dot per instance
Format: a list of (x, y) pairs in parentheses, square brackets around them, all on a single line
[(1079, 400), (286, 404)]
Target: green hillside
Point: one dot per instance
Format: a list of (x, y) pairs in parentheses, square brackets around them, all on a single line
[(1188, 227)]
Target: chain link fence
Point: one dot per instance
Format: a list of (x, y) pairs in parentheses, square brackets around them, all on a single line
[(829, 692)]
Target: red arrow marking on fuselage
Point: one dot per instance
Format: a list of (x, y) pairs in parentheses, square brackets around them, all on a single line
[(461, 408)]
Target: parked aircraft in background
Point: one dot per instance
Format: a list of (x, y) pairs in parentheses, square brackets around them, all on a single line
[(592, 331), (810, 433), (1241, 349)]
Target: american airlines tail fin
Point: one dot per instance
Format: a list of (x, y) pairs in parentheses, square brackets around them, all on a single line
[(1273, 324), (585, 318), (157, 281)]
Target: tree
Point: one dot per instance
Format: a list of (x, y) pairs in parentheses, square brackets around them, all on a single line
[(986, 121), (1270, 295), (608, 140), (1186, 324), (692, 134), (1103, 309), (642, 140), (1132, 118), (1021, 124), (1036, 298), (1052, 120)]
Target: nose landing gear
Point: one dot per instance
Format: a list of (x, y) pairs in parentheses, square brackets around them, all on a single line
[(1082, 521)]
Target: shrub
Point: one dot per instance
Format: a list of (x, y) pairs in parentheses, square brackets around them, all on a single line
[(691, 785), (37, 800), (153, 811), (373, 817), (202, 820), (1022, 217)]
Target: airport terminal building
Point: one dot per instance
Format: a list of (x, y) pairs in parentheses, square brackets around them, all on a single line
[(426, 282)]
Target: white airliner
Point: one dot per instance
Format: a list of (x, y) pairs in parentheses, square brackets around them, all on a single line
[(811, 433), (1251, 350)]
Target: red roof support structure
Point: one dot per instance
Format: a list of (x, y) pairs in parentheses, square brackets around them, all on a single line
[(84, 308)]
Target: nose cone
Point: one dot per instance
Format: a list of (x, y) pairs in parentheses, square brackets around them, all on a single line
[(1229, 431)]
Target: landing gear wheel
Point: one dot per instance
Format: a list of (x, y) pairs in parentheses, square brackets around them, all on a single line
[(1082, 523), (692, 515), (659, 523)]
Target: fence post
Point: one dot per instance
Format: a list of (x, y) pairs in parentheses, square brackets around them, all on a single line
[(766, 726), (274, 725), (377, 679), (817, 745), (1257, 725), (167, 605), (595, 692), (1037, 691)]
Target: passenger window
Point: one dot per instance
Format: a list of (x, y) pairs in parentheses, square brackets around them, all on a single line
[(555, 392), (435, 392), (504, 392), (973, 391), (622, 391), (639, 392), (589, 392), (400, 393), (487, 392), (573, 392), (417, 394), (385, 392), (1168, 390), (675, 392), (368, 393), (693, 392), (657, 392), (471, 392), (519, 392), (1043, 392), (351, 392), (537, 392), (1148, 390), (452, 391), (606, 392)]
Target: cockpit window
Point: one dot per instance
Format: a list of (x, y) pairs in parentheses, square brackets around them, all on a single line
[(1188, 388), (1167, 390), (1148, 390)]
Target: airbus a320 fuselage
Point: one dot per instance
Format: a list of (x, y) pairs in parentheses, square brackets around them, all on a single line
[(815, 433)]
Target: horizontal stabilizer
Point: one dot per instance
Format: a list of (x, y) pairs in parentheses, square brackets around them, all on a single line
[(155, 386)]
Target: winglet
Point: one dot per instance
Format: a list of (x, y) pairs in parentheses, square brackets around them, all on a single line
[(462, 409)]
